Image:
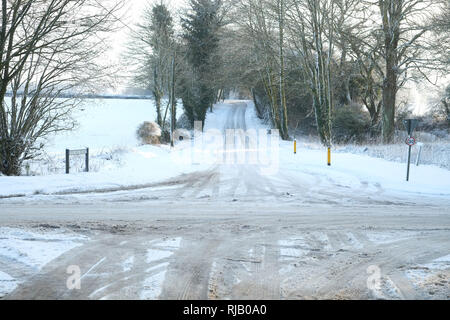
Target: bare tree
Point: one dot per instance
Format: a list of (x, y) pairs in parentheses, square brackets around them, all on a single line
[(48, 50), (404, 24), (264, 25), (359, 41), (389, 40), (440, 44), (152, 49), (313, 39), (281, 21)]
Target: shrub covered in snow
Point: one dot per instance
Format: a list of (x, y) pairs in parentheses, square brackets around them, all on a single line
[(184, 123), (350, 124), (149, 132)]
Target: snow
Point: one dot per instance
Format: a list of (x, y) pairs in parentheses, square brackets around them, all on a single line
[(127, 265), (389, 237), (156, 255), (387, 291), (163, 266), (443, 259), (153, 286), (33, 253), (7, 284), (116, 159), (170, 243), (354, 242), (356, 171), (442, 263), (32, 250), (291, 248), (140, 165), (165, 249), (110, 125)]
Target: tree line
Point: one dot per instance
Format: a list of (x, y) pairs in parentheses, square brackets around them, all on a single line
[(304, 61), (310, 64)]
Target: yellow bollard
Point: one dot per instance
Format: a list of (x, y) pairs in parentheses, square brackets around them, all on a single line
[(295, 146), (329, 156)]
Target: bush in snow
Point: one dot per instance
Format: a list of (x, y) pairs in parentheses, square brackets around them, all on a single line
[(149, 133), (184, 123), (350, 124)]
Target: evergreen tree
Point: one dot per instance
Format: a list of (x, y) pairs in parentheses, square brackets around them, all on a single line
[(201, 26)]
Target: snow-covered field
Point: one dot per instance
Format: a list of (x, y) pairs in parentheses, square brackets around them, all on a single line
[(117, 159), (108, 127)]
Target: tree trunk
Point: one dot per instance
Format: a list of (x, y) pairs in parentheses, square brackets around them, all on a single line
[(389, 95), (10, 158), (447, 108), (284, 124), (173, 113), (391, 15), (158, 108)]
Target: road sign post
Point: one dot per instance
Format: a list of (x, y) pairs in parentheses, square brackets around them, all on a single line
[(410, 125), (409, 161)]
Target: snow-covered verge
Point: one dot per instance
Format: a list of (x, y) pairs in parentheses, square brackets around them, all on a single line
[(31, 251), (357, 171), (138, 165), (435, 149), (360, 170), (433, 153)]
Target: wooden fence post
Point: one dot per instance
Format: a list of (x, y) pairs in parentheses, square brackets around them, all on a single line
[(67, 161), (87, 159)]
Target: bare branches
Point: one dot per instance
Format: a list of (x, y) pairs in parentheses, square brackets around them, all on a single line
[(49, 50)]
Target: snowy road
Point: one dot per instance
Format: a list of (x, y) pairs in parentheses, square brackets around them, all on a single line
[(230, 231)]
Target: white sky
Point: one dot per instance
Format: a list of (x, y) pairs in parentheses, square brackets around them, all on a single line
[(130, 15)]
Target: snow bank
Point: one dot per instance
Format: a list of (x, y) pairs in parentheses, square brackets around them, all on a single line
[(139, 166), (356, 171)]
